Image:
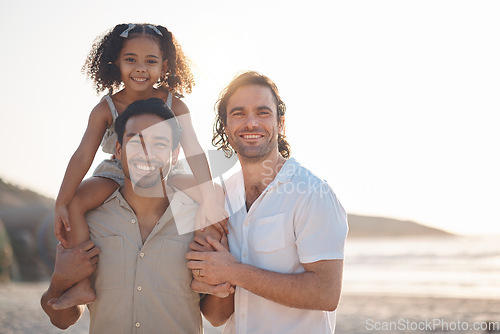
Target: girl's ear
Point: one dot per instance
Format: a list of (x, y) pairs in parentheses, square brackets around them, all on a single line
[(164, 66)]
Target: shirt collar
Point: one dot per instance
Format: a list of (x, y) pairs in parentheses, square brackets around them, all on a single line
[(176, 200), (287, 171)]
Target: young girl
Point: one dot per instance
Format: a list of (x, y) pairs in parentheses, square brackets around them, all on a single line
[(145, 61)]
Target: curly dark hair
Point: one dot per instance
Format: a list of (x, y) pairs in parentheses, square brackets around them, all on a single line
[(219, 138), (101, 69)]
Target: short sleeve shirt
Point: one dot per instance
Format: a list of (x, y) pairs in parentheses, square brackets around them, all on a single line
[(142, 288), (297, 219)]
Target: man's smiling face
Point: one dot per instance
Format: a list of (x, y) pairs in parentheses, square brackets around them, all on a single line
[(252, 125), (146, 153)]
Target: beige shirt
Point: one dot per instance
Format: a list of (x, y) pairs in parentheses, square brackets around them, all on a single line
[(142, 288)]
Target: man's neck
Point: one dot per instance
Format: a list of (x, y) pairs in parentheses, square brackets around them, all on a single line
[(257, 175), (146, 206)]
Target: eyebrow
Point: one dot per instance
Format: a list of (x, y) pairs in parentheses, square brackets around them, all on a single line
[(133, 54), (238, 108), (132, 134)]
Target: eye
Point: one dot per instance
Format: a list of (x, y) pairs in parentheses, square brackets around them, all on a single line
[(264, 112), (161, 146), (152, 61), (129, 60), (134, 142)]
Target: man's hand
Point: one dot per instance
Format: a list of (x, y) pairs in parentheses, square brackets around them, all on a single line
[(75, 264), (212, 267)]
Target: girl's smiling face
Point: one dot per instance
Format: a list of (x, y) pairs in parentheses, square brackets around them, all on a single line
[(141, 63)]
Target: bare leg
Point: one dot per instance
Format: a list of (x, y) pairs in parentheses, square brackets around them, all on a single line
[(91, 193)]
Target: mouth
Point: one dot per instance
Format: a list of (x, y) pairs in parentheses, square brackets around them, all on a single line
[(140, 80), (251, 136), (144, 167)]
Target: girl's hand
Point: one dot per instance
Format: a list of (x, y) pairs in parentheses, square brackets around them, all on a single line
[(222, 290), (61, 223), (211, 213)]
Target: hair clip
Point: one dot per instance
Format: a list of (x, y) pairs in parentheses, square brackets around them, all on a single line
[(124, 34), (156, 30)]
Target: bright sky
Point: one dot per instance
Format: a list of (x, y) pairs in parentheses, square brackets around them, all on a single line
[(394, 103)]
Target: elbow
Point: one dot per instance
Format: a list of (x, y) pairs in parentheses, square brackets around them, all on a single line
[(330, 301), (330, 307)]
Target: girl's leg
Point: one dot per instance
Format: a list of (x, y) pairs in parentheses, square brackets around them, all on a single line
[(90, 194)]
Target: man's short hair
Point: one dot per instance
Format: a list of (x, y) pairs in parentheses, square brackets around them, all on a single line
[(220, 139), (153, 106)]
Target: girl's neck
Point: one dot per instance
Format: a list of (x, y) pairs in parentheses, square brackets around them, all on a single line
[(128, 96)]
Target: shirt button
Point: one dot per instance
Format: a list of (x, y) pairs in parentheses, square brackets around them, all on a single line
[(137, 324), (141, 254), (133, 221), (244, 254), (139, 288)]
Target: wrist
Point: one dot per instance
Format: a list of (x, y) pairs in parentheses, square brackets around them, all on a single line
[(237, 274), (61, 203)]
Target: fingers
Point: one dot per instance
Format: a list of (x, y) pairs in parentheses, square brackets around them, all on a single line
[(193, 264), (89, 244), (216, 244), (194, 246), (224, 242), (52, 301), (224, 224), (205, 246), (220, 290), (59, 235), (93, 260), (65, 221), (219, 228), (196, 273), (94, 252)]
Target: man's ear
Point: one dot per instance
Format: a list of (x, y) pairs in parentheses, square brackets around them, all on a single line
[(118, 151), (281, 124), (175, 155)]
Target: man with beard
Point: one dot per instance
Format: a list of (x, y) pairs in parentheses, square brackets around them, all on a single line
[(141, 281), (286, 228)]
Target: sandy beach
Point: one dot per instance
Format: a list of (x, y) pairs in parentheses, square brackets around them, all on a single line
[(20, 312)]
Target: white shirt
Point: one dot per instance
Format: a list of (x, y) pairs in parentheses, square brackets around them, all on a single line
[(297, 219)]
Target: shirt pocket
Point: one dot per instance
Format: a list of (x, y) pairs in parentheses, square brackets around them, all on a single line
[(172, 274), (269, 234), (110, 273)]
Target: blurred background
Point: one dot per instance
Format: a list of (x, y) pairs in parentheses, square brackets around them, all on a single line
[(394, 103)]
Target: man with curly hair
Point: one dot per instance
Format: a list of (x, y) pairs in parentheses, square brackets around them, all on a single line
[(286, 230)]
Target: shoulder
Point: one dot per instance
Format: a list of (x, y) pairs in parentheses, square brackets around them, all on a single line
[(179, 107), (102, 112), (310, 190), (302, 174)]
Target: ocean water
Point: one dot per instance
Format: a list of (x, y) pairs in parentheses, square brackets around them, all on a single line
[(434, 267)]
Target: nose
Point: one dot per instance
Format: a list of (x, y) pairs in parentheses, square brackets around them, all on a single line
[(251, 121), (140, 68)]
